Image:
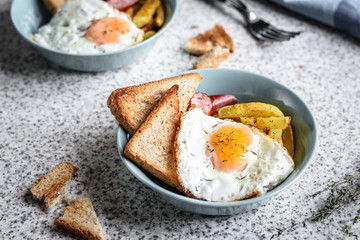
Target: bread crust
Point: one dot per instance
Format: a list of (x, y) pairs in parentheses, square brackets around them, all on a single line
[(131, 105), (151, 147), (177, 154)]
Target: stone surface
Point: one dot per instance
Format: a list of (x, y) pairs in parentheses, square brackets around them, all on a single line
[(49, 115)]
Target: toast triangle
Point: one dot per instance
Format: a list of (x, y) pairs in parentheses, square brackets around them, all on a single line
[(152, 146), (131, 105), (80, 219)]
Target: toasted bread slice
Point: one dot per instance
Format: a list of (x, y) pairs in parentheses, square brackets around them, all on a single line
[(52, 187), (213, 58), (151, 147), (54, 5), (204, 43), (131, 105), (80, 219)]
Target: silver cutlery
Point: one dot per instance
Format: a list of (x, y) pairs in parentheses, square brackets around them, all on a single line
[(258, 27)]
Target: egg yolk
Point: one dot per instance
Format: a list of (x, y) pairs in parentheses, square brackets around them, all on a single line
[(107, 30), (227, 146)]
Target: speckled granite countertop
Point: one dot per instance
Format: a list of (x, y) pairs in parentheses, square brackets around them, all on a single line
[(49, 115)]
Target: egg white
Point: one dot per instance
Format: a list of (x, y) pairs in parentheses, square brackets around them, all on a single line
[(268, 167), (66, 30)]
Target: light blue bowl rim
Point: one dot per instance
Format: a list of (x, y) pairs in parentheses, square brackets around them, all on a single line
[(267, 195), (158, 33)]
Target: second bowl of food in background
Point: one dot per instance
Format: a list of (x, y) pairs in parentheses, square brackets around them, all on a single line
[(93, 42)]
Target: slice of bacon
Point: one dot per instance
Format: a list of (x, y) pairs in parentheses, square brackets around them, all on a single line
[(203, 101), (210, 104), (219, 101), (122, 5)]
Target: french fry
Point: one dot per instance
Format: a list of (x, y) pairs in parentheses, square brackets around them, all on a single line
[(149, 34), (146, 13), (276, 134), (288, 140), (252, 109), (160, 16), (266, 123)]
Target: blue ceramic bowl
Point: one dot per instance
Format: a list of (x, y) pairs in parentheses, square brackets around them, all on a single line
[(28, 15), (247, 87)]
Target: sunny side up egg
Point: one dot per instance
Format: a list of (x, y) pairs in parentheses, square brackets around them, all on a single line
[(87, 27), (221, 160)]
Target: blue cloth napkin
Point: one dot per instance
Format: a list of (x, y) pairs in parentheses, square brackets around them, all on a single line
[(341, 14)]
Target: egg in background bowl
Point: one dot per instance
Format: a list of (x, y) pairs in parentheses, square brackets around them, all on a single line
[(28, 16), (86, 27)]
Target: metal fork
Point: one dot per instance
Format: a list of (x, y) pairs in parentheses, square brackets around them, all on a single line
[(258, 27)]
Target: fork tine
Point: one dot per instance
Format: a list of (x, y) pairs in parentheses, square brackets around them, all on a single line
[(258, 27), (279, 35), (263, 37), (282, 32), (258, 36), (273, 37)]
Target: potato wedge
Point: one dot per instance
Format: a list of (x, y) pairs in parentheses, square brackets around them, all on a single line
[(288, 140), (160, 16), (136, 7), (149, 34), (252, 109), (265, 123), (146, 13), (130, 11), (276, 134), (149, 26)]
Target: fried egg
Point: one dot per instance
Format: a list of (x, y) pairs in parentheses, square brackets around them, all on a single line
[(222, 160), (88, 26)]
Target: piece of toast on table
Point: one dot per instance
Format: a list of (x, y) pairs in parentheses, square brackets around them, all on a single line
[(212, 59), (213, 47), (52, 187), (204, 43), (131, 105), (80, 219), (54, 5), (152, 146)]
